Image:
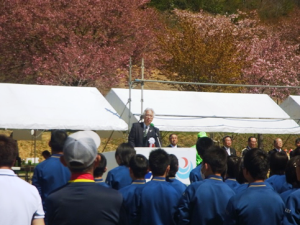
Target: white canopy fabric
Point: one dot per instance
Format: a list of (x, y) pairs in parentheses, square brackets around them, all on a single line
[(292, 107), (45, 107), (204, 111)]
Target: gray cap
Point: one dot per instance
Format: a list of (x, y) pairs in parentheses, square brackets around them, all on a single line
[(80, 149)]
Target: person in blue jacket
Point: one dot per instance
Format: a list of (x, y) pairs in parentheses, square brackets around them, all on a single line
[(291, 178), (119, 177), (204, 202), (51, 174), (278, 163), (202, 145), (233, 165), (171, 178), (138, 168), (292, 211), (157, 200), (100, 170), (258, 204)]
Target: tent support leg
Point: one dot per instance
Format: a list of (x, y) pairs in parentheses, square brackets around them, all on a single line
[(34, 151), (108, 140), (260, 138)]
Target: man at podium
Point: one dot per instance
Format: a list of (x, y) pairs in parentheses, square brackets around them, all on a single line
[(144, 134)]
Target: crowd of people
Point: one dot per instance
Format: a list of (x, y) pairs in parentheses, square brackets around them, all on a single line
[(68, 187)]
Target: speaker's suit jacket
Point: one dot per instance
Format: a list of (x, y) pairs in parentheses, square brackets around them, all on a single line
[(136, 135), (232, 151), (274, 150)]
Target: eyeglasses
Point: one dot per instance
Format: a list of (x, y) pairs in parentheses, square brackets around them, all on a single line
[(149, 116)]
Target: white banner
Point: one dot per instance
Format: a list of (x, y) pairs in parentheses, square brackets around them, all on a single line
[(186, 158)]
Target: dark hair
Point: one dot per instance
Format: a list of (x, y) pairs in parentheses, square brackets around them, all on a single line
[(99, 170), (158, 162), (139, 166), (295, 152), (278, 162), (173, 165), (290, 172), (46, 153), (216, 157), (124, 152), (203, 144), (249, 138), (57, 141), (233, 166), (297, 140), (240, 176), (171, 135), (227, 136), (256, 161), (8, 151)]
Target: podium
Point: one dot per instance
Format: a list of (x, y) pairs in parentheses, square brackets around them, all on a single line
[(186, 158)]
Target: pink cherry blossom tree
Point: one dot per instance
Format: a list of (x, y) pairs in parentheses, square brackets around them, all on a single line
[(260, 53), (74, 42)]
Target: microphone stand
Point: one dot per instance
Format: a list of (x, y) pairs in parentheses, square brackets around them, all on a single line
[(158, 139)]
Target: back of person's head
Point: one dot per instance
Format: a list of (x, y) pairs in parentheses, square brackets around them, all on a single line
[(173, 165), (216, 157), (80, 154), (123, 154), (158, 162), (203, 144), (101, 168), (297, 141), (233, 166), (295, 152), (240, 176), (278, 162), (256, 162), (46, 154), (57, 141), (8, 151), (139, 166), (290, 172)]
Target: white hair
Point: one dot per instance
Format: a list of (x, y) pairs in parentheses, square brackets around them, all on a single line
[(148, 109)]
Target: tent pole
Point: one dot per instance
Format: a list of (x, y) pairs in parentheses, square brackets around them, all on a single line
[(108, 140), (142, 87), (34, 154), (260, 138), (129, 100)]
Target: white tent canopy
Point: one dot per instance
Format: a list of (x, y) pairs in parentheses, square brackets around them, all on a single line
[(204, 111), (43, 107), (292, 107)]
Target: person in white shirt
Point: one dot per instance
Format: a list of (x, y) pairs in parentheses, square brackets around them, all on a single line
[(173, 138), (144, 134), (227, 142), (278, 143), (20, 201)]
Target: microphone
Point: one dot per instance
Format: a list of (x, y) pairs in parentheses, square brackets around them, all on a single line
[(141, 118), (158, 140), (152, 125)]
